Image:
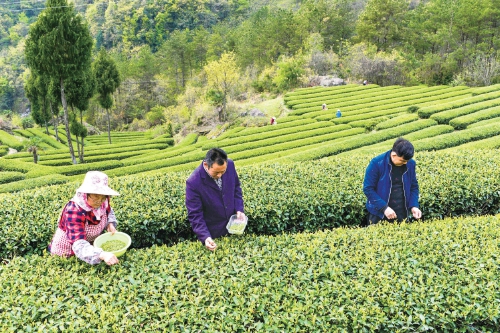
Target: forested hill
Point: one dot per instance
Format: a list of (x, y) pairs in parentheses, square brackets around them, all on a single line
[(162, 46)]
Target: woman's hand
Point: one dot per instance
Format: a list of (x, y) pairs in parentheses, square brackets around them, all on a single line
[(111, 228), (108, 257)]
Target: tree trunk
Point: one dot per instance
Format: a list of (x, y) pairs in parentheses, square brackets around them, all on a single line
[(78, 146), (35, 155), (66, 122), (47, 128), (81, 156), (55, 123), (109, 126)]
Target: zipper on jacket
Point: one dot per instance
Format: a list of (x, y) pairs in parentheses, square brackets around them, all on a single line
[(404, 195)]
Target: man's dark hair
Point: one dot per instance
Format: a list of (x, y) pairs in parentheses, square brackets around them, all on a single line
[(403, 148), (215, 155)]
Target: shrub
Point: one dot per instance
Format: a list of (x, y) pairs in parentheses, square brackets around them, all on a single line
[(10, 141), (304, 196), (10, 176), (457, 138), (413, 109), (396, 121), (33, 183), (4, 150), (278, 133), (463, 121), (391, 278)]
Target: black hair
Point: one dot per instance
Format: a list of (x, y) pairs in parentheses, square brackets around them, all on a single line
[(215, 155), (403, 148)]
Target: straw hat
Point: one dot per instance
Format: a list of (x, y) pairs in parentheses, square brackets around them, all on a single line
[(96, 182)]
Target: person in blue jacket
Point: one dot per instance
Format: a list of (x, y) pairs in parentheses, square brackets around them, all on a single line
[(391, 185)]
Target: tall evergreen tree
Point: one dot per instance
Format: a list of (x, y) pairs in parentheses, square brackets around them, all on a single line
[(59, 45), (107, 81), (36, 91)]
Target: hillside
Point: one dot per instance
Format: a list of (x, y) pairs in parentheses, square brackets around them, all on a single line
[(162, 49), (433, 118)]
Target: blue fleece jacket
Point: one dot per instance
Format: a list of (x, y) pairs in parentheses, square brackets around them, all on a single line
[(377, 184)]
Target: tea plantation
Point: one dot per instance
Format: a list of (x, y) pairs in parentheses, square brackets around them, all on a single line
[(305, 264)]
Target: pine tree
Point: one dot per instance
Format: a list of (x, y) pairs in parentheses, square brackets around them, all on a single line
[(107, 81), (59, 45)]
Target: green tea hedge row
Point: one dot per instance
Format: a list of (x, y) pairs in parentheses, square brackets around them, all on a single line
[(440, 276), (444, 117), (401, 105), (94, 150), (334, 92), (317, 101), (188, 140), (350, 101), (28, 135), (292, 140), (368, 124), (399, 120), (309, 196), (101, 157), (312, 91), (484, 122), (464, 121), (281, 125), (346, 100), (390, 92), (10, 140), (413, 136), (78, 169), (487, 89), (300, 144), (25, 167), (47, 138), (4, 150), (61, 134), (485, 144), (163, 154), (458, 137), (138, 167), (288, 119), (366, 116), (394, 102), (229, 132), (428, 111), (10, 176), (31, 183), (277, 133), (328, 149)]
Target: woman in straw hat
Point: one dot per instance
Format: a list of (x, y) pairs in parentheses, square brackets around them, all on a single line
[(84, 218)]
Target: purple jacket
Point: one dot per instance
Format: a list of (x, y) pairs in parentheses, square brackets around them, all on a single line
[(209, 208)]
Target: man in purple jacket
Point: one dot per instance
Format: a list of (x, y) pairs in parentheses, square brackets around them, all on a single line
[(213, 194)]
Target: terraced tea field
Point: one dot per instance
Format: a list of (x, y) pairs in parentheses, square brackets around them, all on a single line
[(433, 118)]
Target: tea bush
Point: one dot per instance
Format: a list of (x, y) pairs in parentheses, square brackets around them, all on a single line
[(457, 138), (264, 135), (10, 140), (440, 276), (445, 116), (10, 176), (31, 183), (464, 121), (305, 196), (4, 150), (399, 120), (426, 112), (46, 138)]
